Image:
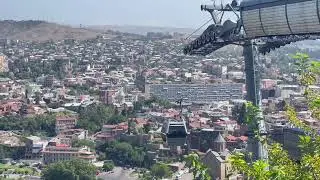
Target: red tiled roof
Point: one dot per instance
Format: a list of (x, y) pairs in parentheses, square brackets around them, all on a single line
[(231, 138), (62, 145)]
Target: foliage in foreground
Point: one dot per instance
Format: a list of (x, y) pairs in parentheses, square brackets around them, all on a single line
[(280, 165), (199, 170), (70, 170)]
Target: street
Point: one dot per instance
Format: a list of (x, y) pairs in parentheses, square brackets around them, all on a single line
[(118, 173)]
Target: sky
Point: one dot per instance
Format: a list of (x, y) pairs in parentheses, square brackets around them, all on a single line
[(167, 13)]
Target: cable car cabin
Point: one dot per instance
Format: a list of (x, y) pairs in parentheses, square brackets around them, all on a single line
[(280, 17), (176, 133)]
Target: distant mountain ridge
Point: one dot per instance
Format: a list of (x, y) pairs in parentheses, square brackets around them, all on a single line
[(31, 30), (142, 30), (35, 30)]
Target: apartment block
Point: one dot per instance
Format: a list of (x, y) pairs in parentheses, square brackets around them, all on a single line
[(61, 152), (196, 93)]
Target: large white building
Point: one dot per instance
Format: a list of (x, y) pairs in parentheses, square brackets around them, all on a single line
[(196, 93)]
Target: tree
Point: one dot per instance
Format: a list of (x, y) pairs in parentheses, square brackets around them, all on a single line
[(280, 165), (70, 170), (199, 170), (95, 116), (44, 124), (108, 166), (123, 153), (238, 112), (161, 171), (146, 128)]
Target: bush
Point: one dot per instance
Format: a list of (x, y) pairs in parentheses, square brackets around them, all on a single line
[(108, 166), (161, 171), (71, 169)]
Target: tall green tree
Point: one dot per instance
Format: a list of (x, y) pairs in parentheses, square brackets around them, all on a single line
[(280, 165), (199, 170)]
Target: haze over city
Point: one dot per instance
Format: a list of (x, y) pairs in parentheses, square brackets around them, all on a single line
[(169, 13)]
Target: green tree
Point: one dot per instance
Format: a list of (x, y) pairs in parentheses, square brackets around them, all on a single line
[(108, 166), (199, 170), (122, 153), (95, 116), (70, 170), (146, 128), (161, 171), (44, 124), (238, 113), (280, 165)]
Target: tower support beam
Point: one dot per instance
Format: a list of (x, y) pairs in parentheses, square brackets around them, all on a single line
[(254, 146)]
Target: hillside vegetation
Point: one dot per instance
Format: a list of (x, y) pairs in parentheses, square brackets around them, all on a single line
[(42, 31)]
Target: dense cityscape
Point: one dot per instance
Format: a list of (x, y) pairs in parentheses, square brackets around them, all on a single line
[(126, 106)]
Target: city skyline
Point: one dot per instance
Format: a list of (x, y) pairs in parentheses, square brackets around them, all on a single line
[(164, 13)]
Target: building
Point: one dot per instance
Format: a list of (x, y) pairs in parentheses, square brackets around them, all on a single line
[(268, 83), (216, 159), (34, 147), (64, 122), (3, 63), (61, 152), (70, 135), (112, 96), (285, 91), (75, 133), (12, 145), (291, 140), (110, 132), (48, 81), (10, 106), (204, 139), (196, 93)]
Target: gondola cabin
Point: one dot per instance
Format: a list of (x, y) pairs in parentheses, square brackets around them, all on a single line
[(175, 133), (262, 18)]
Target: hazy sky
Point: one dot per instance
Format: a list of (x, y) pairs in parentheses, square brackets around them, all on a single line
[(173, 13)]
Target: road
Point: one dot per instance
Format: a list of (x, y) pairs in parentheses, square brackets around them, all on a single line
[(118, 174), (185, 175)]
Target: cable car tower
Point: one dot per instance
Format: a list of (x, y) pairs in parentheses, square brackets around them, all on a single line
[(260, 26)]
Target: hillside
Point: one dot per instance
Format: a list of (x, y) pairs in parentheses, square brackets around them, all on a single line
[(42, 31), (143, 30)]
